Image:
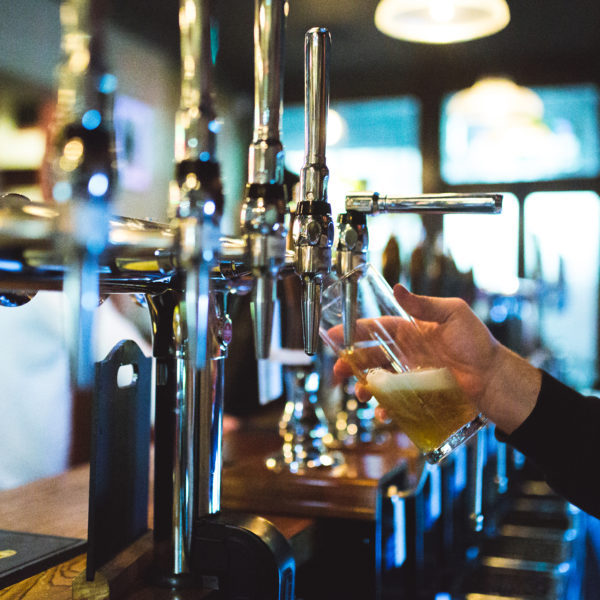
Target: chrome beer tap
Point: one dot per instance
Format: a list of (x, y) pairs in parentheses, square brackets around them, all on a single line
[(196, 198), (313, 227), (372, 203), (83, 179), (188, 433), (265, 205)]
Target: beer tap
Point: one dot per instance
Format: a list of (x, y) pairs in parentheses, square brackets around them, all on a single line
[(353, 231), (372, 203), (188, 432), (83, 178), (197, 198), (265, 204), (313, 227)]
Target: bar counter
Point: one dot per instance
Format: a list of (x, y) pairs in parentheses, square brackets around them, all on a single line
[(295, 503), (58, 506)]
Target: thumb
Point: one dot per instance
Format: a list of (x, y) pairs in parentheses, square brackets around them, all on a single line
[(425, 308)]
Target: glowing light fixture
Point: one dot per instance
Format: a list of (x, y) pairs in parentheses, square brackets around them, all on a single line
[(494, 99), (441, 21)]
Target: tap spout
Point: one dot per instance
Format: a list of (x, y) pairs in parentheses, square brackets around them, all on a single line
[(313, 227), (351, 252), (265, 202)]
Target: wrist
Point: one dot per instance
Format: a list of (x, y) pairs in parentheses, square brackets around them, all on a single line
[(512, 390)]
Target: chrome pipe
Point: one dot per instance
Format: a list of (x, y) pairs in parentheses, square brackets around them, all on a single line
[(373, 203), (184, 478), (141, 256), (176, 387), (210, 417), (313, 227)]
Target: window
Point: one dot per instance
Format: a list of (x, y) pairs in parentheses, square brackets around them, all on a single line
[(487, 244), (498, 132), (562, 249)]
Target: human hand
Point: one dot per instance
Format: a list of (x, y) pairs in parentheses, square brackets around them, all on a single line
[(502, 385)]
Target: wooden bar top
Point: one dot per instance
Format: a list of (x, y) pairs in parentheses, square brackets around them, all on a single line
[(345, 491)]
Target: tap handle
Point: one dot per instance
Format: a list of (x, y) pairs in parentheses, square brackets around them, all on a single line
[(265, 159), (314, 175), (313, 235), (373, 203), (196, 125)]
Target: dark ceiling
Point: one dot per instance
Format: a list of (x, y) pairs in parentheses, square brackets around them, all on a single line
[(546, 41)]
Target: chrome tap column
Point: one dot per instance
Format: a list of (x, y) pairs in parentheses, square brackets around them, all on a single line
[(313, 228), (265, 205), (187, 409)]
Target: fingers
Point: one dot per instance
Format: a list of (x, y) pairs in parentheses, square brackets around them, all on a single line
[(362, 392), (341, 370), (426, 308)]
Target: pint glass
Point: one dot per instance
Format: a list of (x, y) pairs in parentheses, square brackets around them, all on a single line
[(365, 326)]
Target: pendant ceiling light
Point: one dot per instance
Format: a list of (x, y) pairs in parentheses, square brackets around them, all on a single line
[(441, 21), (494, 100)]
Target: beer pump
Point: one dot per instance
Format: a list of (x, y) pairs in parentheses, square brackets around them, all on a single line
[(82, 166), (352, 231), (313, 227), (265, 204)]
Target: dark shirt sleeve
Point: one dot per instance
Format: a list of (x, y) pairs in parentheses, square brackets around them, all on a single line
[(561, 437)]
